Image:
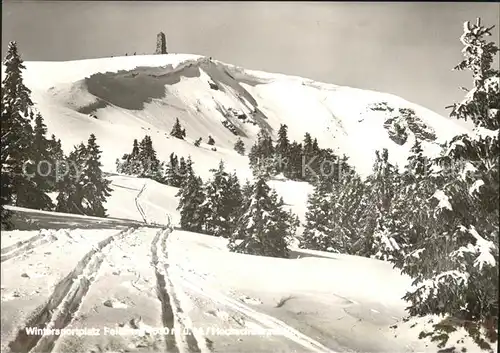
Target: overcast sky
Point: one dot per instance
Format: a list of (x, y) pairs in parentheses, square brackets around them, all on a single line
[(403, 48)]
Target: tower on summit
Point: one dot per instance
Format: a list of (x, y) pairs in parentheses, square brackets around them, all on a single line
[(161, 43)]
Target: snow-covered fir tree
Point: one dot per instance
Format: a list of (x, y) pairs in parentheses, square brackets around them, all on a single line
[(282, 149), (239, 147), (188, 167), (191, 198), (264, 227), (69, 186), (182, 168), (177, 130), (39, 168), (172, 172), (330, 168), (19, 159), (131, 163), (350, 206), (309, 158), (151, 166), (55, 157), (135, 149), (408, 217), (318, 231), (16, 96), (382, 186), (235, 199), (15, 130), (335, 219), (262, 156), (217, 191), (246, 195), (293, 170), (142, 161), (454, 258), (94, 186), (40, 144)]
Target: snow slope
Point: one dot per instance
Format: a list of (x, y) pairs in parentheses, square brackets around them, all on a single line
[(124, 98), (132, 96), (88, 275), (146, 289), (134, 271)]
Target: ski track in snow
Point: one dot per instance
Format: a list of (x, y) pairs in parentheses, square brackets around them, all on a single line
[(137, 204), (65, 300), (196, 283), (22, 247), (185, 339)]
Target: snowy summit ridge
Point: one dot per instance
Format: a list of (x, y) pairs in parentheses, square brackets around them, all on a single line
[(123, 98)]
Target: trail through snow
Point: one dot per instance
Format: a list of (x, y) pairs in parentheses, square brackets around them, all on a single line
[(196, 283)]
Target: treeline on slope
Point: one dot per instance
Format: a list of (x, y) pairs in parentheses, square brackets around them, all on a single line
[(251, 216), (437, 219), (304, 161), (34, 166), (143, 162)]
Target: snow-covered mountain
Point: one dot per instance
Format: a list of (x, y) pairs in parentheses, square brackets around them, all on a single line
[(123, 98), (134, 272)]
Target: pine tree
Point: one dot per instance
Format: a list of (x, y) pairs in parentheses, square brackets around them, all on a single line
[(131, 163), (454, 259), (318, 233), (287, 220), (382, 185), (263, 228), (172, 174), (16, 130), (310, 159), (315, 146), (55, 157), (234, 201), (409, 211), (185, 167), (69, 186), (247, 190), (177, 130), (133, 160), (119, 165), (15, 95), (182, 168), (21, 183), (189, 166), (282, 149), (40, 144), (34, 195), (217, 191), (95, 188), (135, 149), (330, 167), (150, 165), (262, 156), (349, 207), (294, 165), (191, 198), (239, 147)]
